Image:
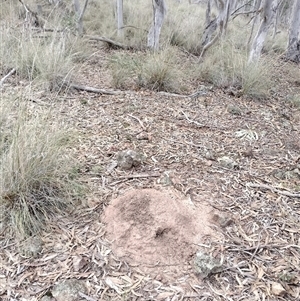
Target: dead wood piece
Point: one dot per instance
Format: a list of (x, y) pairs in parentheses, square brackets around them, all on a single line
[(93, 90), (192, 121), (142, 175), (140, 122), (110, 42), (193, 95), (11, 72), (86, 297), (268, 187)]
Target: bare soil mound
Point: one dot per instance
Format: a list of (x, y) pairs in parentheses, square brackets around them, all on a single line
[(157, 230)]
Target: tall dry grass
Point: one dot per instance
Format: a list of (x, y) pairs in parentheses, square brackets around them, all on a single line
[(35, 167)]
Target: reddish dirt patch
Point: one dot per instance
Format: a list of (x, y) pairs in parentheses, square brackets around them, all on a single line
[(157, 230)]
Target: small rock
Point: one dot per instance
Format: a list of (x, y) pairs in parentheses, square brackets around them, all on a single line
[(68, 290), (210, 155), (206, 265), (228, 163), (234, 110), (128, 158), (32, 246), (222, 220)]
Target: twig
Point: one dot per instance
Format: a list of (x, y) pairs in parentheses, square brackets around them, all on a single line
[(93, 90), (264, 246), (109, 42), (141, 175), (140, 122), (192, 121), (11, 72), (86, 297), (286, 193)]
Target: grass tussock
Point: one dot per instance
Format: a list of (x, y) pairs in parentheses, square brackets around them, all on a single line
[(226, 66), (41, 57), (161, 71), (37, 59), (34, 169)]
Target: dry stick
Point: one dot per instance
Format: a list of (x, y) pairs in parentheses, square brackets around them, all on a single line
[(140, 122), (265, 246), (11, 72), (286, 193), (93, 90), (192, 121), (140, 176), (109, 41), (82, 295)]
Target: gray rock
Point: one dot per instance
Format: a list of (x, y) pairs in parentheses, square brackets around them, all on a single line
[(68, 290), (31, 247), (128, 158), (206, 265)]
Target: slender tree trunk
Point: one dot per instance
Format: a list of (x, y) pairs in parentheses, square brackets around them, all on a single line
[(159, 11), (79, 15), (293, 49), (120, 20), (268, 12), (220, 22)]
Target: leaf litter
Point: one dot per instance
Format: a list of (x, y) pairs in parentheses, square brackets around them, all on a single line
[(259, 248)]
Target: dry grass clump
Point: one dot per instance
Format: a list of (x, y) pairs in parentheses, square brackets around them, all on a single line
[(277, 44), (226, 66), (37, 59), (294, 100), (40, 56), (100, 19), (34, 168), (184, 26), (160, 71)]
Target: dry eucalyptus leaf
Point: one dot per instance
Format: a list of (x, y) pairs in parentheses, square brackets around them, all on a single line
[(78, 263), (277, 289)]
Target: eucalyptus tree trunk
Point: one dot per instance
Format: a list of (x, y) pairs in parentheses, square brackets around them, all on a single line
[(79, 15), (268, 13), (220, 22), (293, 49), (120, 20), (159, 11)]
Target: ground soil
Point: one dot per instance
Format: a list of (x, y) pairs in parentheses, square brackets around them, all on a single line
[(158, 230), (237, 156)]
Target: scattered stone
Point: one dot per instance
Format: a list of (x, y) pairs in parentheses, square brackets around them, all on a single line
[(234, 110), (228, 163), (222, 220), (206, 265), (68, 290), (210, 155), (128, 158), (31, 247), (79, 262)]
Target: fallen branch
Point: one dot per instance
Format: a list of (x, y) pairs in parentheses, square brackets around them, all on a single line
[(140, 122), (92, 89), (273, 189), (86, 297), (193, 95), (141, 175), (192, 121), (110, 42), (11, 72)]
